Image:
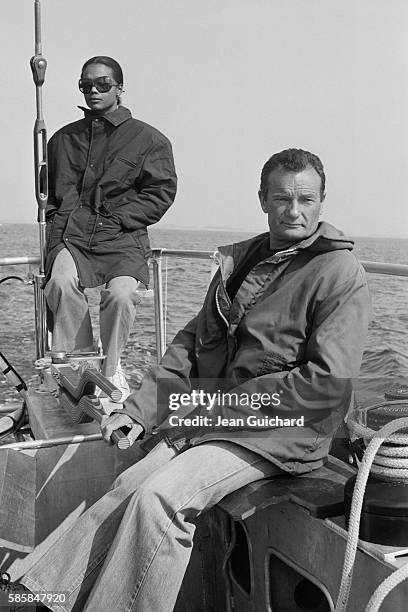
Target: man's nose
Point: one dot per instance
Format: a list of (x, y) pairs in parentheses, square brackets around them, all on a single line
[(292, 209)]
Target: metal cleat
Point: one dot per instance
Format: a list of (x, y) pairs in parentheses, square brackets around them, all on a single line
[(90, 408)]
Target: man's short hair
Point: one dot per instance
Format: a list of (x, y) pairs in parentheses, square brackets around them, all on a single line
[(293, 160)]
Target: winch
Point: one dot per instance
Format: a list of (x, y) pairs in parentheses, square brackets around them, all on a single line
[(83, 392), (384, 514)]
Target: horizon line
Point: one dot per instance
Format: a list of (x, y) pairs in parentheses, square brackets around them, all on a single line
[(220, 228)]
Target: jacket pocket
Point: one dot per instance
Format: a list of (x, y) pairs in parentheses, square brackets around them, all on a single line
[(107, 228), (274, 362), (141, 239), (122, 170)]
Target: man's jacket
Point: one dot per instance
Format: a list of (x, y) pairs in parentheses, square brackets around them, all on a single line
[(109, 178), (296, 327)]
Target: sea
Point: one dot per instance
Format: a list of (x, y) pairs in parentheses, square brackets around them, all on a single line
[(385, 361)]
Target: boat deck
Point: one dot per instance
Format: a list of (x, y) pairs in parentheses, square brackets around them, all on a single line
[(256, 548)]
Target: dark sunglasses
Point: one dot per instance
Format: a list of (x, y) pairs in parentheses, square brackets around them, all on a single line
[(103, 84)]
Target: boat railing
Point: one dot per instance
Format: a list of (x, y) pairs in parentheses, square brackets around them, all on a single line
[(373, 267)]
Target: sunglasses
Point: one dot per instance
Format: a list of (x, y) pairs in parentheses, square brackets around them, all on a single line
[(103, 84)]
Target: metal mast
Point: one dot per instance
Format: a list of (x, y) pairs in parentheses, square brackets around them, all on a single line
[(38, 65)]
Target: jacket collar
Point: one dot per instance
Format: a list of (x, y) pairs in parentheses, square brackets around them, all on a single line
[(115, 118), (231, 255), (325, 238)]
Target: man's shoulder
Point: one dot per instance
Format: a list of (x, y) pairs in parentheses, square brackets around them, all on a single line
[(338, 267), (330, 250), (341, 258)]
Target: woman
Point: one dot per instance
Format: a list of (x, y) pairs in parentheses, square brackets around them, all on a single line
[(110, 176)]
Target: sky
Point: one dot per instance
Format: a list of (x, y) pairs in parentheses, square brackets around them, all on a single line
[(230, 82)]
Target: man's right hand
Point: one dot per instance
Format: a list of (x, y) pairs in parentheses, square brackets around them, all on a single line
[(115, 421)]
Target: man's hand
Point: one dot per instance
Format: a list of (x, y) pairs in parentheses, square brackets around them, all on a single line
[(111, 423)]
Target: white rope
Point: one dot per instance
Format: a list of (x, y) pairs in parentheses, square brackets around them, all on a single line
[(391, 460), (386, 587), (366, 432), (393, 451), (378, 437), (166, 259)]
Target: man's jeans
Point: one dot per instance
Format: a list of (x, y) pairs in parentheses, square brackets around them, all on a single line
[(132, 547), (72, 323)]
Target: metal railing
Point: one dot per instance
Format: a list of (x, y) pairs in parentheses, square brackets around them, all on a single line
[(157, 256), (36, 278), (373, 267)]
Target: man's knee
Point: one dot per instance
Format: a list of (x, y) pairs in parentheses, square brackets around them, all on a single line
[(150, 497)]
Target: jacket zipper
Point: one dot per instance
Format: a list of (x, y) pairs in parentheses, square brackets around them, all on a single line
[(219, 308)]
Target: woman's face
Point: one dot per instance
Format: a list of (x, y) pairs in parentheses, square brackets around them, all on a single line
[(98, 101)]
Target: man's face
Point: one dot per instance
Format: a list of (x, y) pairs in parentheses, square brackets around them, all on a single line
[(293, 204), (98, 101)]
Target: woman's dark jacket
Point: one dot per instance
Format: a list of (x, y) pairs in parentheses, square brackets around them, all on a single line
[(109, 178)]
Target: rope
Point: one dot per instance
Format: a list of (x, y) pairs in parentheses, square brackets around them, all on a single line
[(165, 301), (12, 375), (378, 438), (386, 587), (6, 278), (391, 461)]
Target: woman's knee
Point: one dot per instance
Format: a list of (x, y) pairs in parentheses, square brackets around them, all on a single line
[(121, 294), (62, 282)]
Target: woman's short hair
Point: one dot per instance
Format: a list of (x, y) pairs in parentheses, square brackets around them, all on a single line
[(107, 61)]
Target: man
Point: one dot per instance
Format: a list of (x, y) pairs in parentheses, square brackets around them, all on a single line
[(267, 361), (110, 176)]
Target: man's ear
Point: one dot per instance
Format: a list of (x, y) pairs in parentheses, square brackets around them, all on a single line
[(322, 203), (262, 200)]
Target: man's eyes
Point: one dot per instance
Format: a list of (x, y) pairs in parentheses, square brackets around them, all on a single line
[(307, 200)]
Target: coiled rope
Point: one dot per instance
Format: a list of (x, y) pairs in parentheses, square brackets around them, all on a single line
[(391, 461), (396, 469)]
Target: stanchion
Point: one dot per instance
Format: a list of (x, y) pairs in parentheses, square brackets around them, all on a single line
[(38, 65)]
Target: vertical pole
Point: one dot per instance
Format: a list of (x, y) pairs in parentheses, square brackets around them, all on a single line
[(38, 65), (40, 316), (158, 305)]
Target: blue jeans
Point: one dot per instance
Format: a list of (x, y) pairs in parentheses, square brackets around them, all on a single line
[(132, 547), (72, 322)]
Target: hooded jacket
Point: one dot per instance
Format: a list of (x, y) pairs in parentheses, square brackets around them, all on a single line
[(295, 331), (109, 178)]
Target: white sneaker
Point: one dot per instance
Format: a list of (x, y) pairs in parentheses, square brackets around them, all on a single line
[(119, 381)]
